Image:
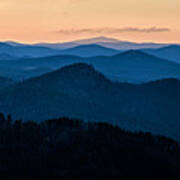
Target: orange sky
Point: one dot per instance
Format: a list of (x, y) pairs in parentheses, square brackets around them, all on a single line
[(63, 20)]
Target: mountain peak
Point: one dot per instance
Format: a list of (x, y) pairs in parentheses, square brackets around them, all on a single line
[(105, 39), (77, 67), (90, 46), (99, 39), (89, 50), (77, 73), (133, 53)]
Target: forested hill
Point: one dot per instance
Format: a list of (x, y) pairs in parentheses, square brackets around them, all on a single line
[(130, 66), (71, 149), (80, 91), (5, 82)]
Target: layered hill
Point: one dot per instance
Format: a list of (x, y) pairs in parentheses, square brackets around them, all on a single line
[(102, 41), (26, 50), (26, 68), (136, 67), (171, 53), (22, 50), (79, 91), (90, 50), (130, 66)]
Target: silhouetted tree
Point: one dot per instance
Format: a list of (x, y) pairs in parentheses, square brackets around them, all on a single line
[(71, 149)]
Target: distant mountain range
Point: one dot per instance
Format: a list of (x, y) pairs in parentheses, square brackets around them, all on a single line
[(89, 51), (171, 53), (79, 91), (135, 66), (20, 61), (99, 46), (25, 68), (20, 51), (130, 66), (103, 41), (10, 51)]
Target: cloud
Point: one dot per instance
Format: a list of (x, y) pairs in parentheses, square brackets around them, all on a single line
[(108, 30)]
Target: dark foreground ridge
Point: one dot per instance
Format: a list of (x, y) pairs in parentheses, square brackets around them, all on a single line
[(71, 149)]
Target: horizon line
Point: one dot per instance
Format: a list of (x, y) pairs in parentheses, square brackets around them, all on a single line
[(83, 38)]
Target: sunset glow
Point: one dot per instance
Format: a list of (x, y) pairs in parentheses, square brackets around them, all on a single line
[(64, 20)]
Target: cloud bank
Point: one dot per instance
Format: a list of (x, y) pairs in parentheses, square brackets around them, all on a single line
[(108, 30)]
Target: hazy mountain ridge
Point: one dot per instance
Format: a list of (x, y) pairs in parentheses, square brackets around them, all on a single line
[(171, 53), (103, 41), (90, 50), (19, 51), (130, 66), (98, 46), (136, 67), (81, 92), (26, 50)]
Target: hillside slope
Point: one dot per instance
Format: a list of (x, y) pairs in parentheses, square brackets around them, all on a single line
[(79, 91), (90, 51), (70, 149), (171, 53), (130, 66), (5, 82), (136, 67)]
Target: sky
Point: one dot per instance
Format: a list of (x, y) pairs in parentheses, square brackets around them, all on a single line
[(65, 20)]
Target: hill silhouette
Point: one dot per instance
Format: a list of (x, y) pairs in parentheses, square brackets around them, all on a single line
[(79, 91), (22, 50), (102, 41), (90, 50), (171, 53), (136, 66), (131, 66), (66, 149), (26, 50)]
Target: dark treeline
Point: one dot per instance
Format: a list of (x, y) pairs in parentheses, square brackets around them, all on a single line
[(71, 149)]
